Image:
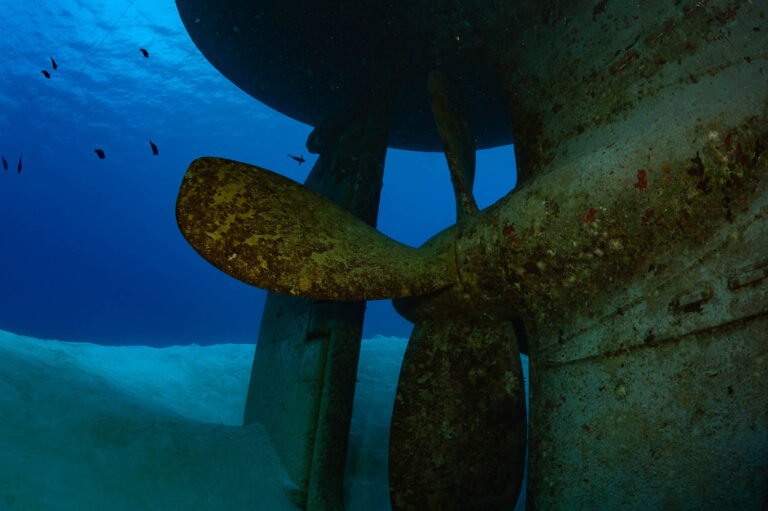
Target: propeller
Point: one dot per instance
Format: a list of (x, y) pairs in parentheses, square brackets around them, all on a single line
[(455, 130), (271, 232), (458, 427), (457, 439), (458, 434)]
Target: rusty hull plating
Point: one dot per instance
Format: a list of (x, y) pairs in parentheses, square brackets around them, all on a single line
[(637, 252)]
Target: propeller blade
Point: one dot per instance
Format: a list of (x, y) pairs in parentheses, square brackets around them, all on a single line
[(453, 125), (274, 233), (458, 436)]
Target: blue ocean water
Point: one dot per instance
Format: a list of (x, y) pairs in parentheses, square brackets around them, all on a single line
[(89, 248)]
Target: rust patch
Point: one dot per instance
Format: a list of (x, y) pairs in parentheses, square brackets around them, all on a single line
[(599, 8), (624, 62), (642, 179), (509, 232), (647, 216)]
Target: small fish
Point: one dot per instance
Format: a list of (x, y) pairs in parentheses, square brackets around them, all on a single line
[(299, 159), (18, 167), (100, 153), (46, 73), (5, 163), (144, 52), (54, 64), (154, 148)]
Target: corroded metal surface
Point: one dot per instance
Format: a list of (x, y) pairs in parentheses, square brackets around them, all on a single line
[(305, 368), (560, 268), (553, 252), (634, 253), (677, 423), (458, 428), (455, 129), (269, 231)]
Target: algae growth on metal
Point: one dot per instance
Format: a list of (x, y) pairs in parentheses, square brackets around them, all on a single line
[(632, 257)]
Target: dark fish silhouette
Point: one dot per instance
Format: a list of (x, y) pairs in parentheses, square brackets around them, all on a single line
[(5, 163), (46, 73), (18, 167), (54, 64), (144, 52), (100, 153), (154, 148), (299, 159)]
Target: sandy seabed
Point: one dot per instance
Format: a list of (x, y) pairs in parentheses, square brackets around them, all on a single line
[(105, 428)]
